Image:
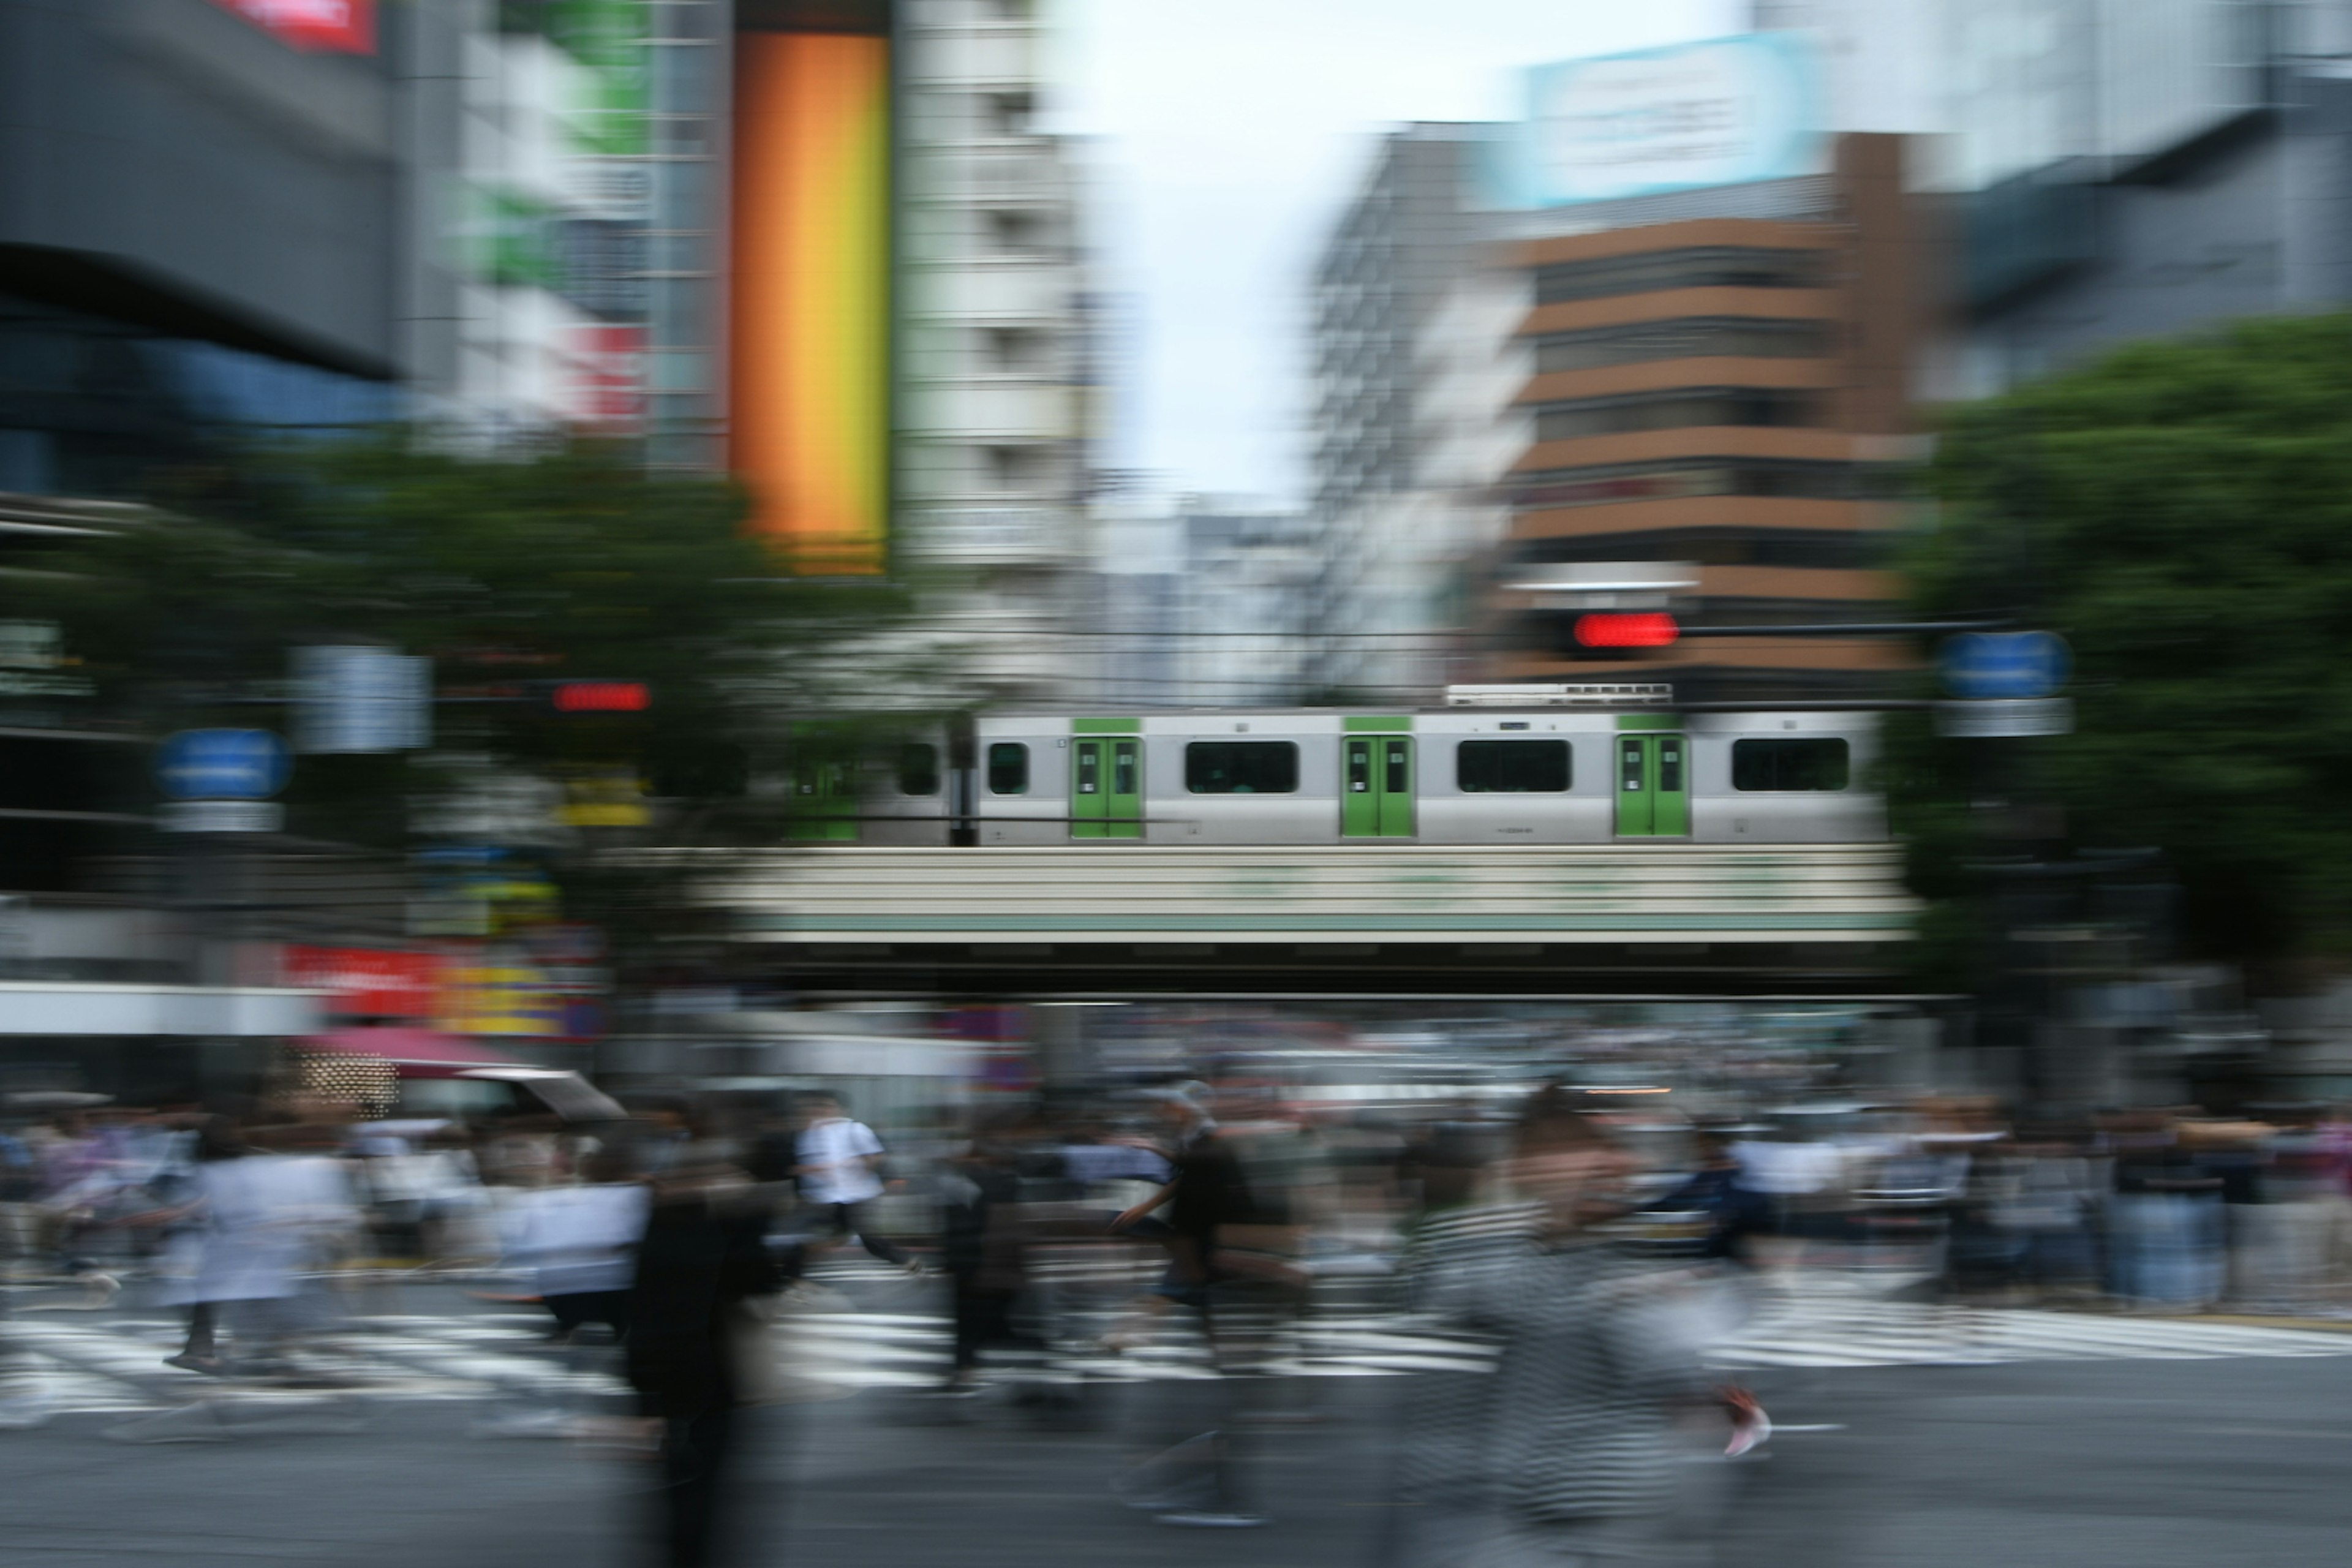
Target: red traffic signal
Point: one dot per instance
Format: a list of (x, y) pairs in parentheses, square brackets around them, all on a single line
[(1653, 628), (600, 696)]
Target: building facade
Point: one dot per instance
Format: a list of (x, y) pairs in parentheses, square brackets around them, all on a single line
[(999, 358), (2115, 169), (1402, 243), (1729, 398)]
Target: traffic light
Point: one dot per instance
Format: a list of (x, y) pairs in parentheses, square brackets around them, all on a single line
[(1648, 628), (597, 696)]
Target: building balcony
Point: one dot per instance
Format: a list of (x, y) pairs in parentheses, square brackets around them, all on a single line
[(987, 536), (1008, 291), (1021, 175)]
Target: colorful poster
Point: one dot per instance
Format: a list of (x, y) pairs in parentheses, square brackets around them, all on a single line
[(365, 982)]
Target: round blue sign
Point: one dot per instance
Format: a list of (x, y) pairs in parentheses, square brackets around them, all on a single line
[(223, 764)]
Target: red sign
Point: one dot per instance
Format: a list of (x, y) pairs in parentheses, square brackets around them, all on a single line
[(367, 981), (608, 376), (339, 26), (1645, 630), (601, 697)]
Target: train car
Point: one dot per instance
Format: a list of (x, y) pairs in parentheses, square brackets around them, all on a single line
[(1498, 766)]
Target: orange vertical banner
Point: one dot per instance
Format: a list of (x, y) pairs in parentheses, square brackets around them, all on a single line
[(810, 401)]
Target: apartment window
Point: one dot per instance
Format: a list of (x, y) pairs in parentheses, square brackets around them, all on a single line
[(691, 21), (1012, 469), (1693, 338), (1680, 410), (684, 79), (1241, 767), (1694, 267), (1015, 349), (1789, 764), (1511, 767), (1605, 484), (1007, 113), (1015, 233), (1810, 549)]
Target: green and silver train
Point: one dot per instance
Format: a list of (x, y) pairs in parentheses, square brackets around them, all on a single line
[(1499, 765)]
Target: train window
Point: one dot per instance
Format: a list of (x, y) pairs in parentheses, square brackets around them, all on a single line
[(1511, 767), (919, 768), (1241, 767), (1008, 768), (1789, 764)]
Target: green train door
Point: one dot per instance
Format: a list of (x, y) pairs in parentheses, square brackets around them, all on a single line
[(1107, 788), (1376, 786), (824, 803), (1653, 786)]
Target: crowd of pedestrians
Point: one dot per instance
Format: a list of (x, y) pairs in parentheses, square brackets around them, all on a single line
[(1593, 1251)]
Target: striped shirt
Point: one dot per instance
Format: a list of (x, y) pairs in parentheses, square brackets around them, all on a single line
[(1575, 1422)]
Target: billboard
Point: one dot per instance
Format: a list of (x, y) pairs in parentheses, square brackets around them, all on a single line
[(1723, 112), (336, 26), (367, 981), (810, 352)]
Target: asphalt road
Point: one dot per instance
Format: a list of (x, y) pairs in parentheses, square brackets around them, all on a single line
[(2147, 1463)]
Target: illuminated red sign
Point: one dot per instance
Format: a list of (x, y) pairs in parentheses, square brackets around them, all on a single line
[(1651, 629), (601, 697), (367, 981), (336, 26)]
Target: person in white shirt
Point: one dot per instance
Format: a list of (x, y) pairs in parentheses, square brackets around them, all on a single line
[(840, 1176)]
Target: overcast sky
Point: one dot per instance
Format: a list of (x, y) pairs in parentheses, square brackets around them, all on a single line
[(1226, 135)]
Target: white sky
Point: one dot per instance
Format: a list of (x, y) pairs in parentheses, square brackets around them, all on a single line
[(1228, 135)]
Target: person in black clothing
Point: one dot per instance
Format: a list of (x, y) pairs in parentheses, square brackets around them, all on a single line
[(705, 1254), (982, 1249)]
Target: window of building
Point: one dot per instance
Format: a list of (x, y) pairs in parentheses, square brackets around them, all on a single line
[(1821, 550), (1015, 233), (1680, 410), (1013, 350), (1511, 767), (1241, 767), (1692, 337), (1007, 113), (1011, 471), (1694, 267), (919, 768), (1789, 764), (1008, 768), (1676, 478)]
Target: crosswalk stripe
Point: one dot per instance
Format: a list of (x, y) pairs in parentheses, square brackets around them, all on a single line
[(116, 1364)]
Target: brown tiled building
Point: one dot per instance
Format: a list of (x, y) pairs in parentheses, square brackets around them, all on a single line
[(1733, 394)]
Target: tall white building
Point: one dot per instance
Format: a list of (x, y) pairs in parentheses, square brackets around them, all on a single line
[(998, 360)]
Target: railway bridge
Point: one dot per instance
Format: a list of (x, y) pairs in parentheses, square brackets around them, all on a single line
[(1369, 918)]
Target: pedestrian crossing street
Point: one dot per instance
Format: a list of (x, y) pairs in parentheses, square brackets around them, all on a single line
[(833, 1345)]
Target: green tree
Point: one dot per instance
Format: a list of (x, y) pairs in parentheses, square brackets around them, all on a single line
[(2181, 512), (572, 562)]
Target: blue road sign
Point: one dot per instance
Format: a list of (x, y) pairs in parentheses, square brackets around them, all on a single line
[(223, 764), (2006, 663)]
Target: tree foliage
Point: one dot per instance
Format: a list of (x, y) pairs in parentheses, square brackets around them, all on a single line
[(572, 562), (2181, 512)]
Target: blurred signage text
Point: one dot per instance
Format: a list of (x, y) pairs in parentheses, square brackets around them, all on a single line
[(1722, 112)]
